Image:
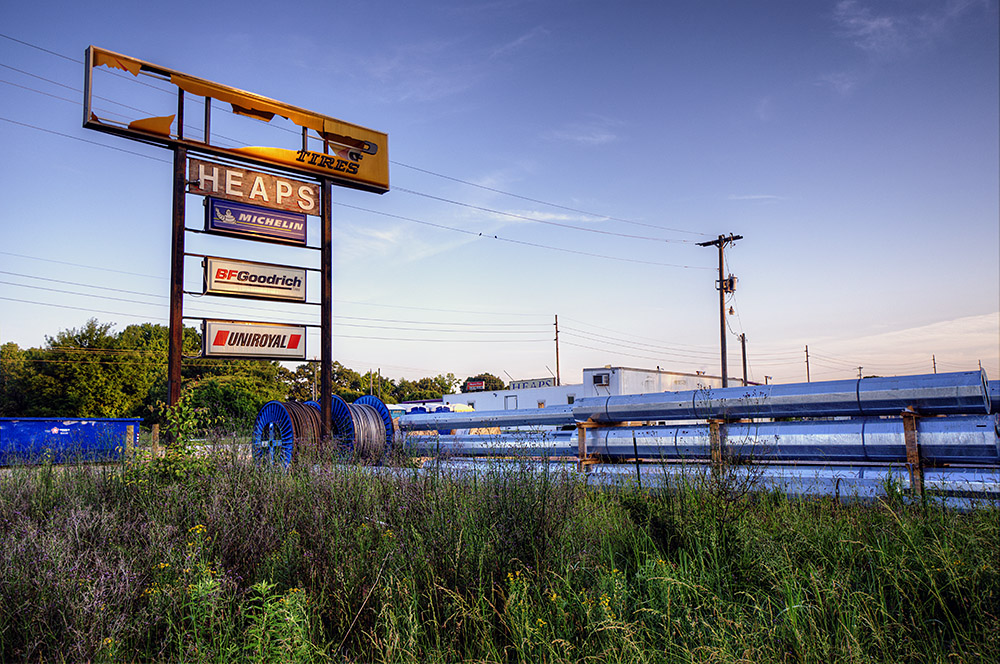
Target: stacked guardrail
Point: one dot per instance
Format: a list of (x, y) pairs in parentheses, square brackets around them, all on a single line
[(945, 422)]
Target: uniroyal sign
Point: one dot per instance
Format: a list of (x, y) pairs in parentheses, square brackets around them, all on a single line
[(243, 186), (256, 340), (259, 280)]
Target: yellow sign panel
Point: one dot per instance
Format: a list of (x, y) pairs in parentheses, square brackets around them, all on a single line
[(351, 155)]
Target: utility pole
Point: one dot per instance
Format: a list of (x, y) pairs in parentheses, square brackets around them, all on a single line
[(934, 362), (558, 382), (743, 345), (724, 288), (807, 365), (859, 371)]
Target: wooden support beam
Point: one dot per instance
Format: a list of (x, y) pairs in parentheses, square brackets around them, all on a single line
[(716, 443), (913, 457)]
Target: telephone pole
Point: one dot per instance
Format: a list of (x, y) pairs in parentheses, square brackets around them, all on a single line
[(808, 380), (558, 382), (743, 345), (724, 286)]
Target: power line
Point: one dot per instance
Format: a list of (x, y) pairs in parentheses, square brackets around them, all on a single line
[(636, 345), (87, 309), (58, 55), (394, 216), (541, 202), (84, 140), (102, 110), (616, 352), (532, 219), (91, 267), (354, 302), (245, 307), (598, 216), (68, 292), (521, 242)]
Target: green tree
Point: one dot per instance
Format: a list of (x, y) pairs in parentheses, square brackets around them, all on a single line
[(425, 388), (303, 384), (231, 403), (82, 375), (13, 371), (492, 382)]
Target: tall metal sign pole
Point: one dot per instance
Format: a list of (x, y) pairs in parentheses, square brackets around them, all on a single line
[(326, 315), (721, 243), (175, 347)]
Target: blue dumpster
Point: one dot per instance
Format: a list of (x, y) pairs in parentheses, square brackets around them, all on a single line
[(32, 440)]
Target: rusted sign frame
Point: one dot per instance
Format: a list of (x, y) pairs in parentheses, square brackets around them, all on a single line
[(346, 146)]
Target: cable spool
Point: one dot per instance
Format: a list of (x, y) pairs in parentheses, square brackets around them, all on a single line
[(364, 428), (282, 428)]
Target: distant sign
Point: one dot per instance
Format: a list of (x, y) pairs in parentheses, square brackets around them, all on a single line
[(534, 382), (254, 222), (238, 184), (475, 385), (249, 279), (255, 340)]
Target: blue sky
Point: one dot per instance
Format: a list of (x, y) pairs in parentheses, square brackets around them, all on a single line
[(853, 144)]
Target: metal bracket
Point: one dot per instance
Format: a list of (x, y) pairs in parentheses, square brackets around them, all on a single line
[(584, 460), (914, 460)]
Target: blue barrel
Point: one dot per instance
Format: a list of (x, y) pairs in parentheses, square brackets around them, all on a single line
[(34, 440)]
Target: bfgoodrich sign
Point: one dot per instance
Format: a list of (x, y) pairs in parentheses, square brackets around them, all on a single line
[(248, 279)]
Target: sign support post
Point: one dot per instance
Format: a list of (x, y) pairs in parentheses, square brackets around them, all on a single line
[(326, 315), (176, 343)]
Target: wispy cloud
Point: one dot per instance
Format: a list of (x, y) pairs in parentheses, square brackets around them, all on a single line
[(842, 83), (594, 132), (419, 71), (886, 33), (867, 30), (958, 344), (765, 109), (511, 46), (755, 197)]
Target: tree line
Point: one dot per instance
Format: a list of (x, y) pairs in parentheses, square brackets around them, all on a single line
[(94, 371)]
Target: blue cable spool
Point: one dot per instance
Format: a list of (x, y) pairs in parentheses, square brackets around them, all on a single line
[(383, 413), (341, 423), (363, 428), (280, 428)]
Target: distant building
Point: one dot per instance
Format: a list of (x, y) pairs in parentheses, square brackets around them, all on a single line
[(604, 381)]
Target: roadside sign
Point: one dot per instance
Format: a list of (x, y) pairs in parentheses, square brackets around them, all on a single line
[(254, 222), (531, 383), (253, 340), (243, 186), (224, 276)]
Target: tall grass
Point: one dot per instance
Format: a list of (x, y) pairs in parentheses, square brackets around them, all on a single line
[(216, 560)]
